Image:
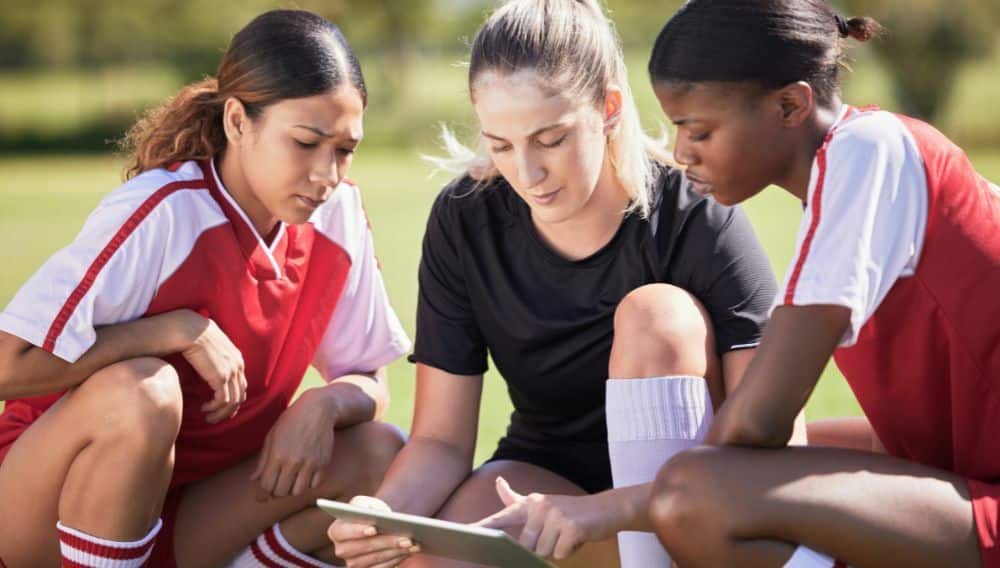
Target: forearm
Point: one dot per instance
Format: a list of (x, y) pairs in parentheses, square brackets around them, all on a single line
[(31, 371), (355, 398), (424, 475), (629, 506)]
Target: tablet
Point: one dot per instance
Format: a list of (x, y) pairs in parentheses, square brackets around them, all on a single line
[(458, 541)]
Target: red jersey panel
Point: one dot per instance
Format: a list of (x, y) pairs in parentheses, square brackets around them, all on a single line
[(168, 240)]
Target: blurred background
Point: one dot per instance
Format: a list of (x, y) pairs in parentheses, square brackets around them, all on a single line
[(74, 74)]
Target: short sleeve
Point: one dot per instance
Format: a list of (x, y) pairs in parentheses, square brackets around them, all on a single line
[(364, 332), (107, 275), (448, 336), (864, 221), (729, 273)]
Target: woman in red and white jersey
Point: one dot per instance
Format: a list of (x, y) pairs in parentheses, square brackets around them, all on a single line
[(149, 366), (896, 276)]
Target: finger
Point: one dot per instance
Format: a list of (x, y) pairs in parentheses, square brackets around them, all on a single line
[(387, 557), (567, 545), (233, 388), (242, 384), (370, 502), (396, 562), (286, 478), (343, 531), (269, 478), (317, 479), (302, 480), (507, 495), (512, 516), (217, 402), (262, 458), (550, 534), (221, 414), (358, 548), (531, 531)]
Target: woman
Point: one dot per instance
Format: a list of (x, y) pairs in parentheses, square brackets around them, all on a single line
[(149, 366), (573, 253)]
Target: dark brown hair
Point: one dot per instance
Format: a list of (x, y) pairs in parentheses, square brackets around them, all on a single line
[(767, 42), (282, 54)]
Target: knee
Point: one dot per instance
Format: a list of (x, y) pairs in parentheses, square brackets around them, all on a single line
[(680, 504), (372, 448), (663, 329), (140, 403)]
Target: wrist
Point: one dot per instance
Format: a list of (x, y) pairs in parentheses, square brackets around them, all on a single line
[(186, 327), (627, 507), (326, 403)]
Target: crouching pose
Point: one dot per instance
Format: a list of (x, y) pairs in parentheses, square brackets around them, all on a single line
[(148, 367)]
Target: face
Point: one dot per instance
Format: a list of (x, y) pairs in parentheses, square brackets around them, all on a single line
[(298, 150), (549, 147), (727, 137)]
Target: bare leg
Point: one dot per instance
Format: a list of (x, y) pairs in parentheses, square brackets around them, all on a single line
[(750, 507), (477, 498), (99, 460), (221, 516)]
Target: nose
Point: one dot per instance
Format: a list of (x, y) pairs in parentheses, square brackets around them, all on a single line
[(326, 172), (684, 154), (530, 170)]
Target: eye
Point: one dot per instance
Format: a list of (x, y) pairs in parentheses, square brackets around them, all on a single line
[(302, 144), (499, 149), (554, 143), (345, 151), (698, 137)]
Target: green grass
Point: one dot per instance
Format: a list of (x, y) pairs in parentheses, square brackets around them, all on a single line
[(44, 201)]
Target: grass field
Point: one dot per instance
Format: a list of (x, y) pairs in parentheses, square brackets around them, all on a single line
[(44, 201)]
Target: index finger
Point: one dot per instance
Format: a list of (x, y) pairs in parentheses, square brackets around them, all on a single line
[(341, 530), (511, 516)]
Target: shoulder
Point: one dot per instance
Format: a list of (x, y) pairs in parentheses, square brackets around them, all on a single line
[(684, 210), (343, 219), (870, 135), (160, 198)]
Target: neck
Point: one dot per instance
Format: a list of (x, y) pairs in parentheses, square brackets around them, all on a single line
[(796, 179), (591, 228), (235, 182)]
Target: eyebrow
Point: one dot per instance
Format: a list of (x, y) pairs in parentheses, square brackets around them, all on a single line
[(323, 133), (535, 133)]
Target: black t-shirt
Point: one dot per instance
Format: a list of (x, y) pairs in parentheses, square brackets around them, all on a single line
[(488, 282)]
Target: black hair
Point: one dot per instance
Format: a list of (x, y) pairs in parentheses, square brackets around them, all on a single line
[(770, 43)]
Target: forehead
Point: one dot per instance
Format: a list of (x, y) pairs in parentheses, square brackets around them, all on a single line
[(522, 100), (686, 100), (338, 111)]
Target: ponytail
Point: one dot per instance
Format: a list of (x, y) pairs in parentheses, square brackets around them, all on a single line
[(187, 127)]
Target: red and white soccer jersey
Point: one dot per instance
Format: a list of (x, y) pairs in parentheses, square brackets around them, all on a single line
[(901, 229), (168, 240)]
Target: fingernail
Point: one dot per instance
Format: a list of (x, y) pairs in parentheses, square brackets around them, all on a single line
[(404, 543), (414, 549), (370, 531)]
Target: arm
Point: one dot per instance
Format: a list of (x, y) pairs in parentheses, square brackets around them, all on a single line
[(27, 370), (734, 366), (441, 445), (797, 344), (355, 398)]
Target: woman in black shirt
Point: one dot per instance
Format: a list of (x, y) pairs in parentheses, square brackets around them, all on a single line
[(571, 252)]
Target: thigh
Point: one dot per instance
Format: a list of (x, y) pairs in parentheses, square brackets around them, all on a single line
[(220, 516), (477, 498), (863, 508)]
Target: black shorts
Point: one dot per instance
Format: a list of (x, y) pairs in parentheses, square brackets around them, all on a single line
[(584, 463)]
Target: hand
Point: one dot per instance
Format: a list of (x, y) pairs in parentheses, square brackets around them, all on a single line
[(218, 362), (553, 525), (361, 546), (298, 448)]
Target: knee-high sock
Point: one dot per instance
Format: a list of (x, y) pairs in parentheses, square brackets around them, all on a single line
[(804, 557), (650, 420), (271, 550), (80, 549)]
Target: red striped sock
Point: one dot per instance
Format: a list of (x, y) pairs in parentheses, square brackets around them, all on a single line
[(81, 550), (271, 550)]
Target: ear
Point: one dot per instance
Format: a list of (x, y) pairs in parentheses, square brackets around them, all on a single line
[(797, 103), (234, 119), (613, 101)]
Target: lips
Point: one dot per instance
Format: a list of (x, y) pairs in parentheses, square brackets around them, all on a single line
[(310, 202), (701, 186), (545, 198)]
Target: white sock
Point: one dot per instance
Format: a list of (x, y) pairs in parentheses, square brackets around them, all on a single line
[(808, 558), (650, 420), (80, 549), (271, 550)]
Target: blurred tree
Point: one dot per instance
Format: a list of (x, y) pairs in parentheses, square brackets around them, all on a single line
[(925, 43)]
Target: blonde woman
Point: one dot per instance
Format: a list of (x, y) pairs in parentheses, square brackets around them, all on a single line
[(573, 253)]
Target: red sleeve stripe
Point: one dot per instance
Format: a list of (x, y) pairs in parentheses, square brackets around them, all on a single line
[(817, 201), (109, 250)]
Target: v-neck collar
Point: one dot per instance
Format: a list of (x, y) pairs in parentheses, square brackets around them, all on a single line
[(265, 260)]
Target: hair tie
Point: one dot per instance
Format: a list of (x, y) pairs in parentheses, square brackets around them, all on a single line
[(842, 26)]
